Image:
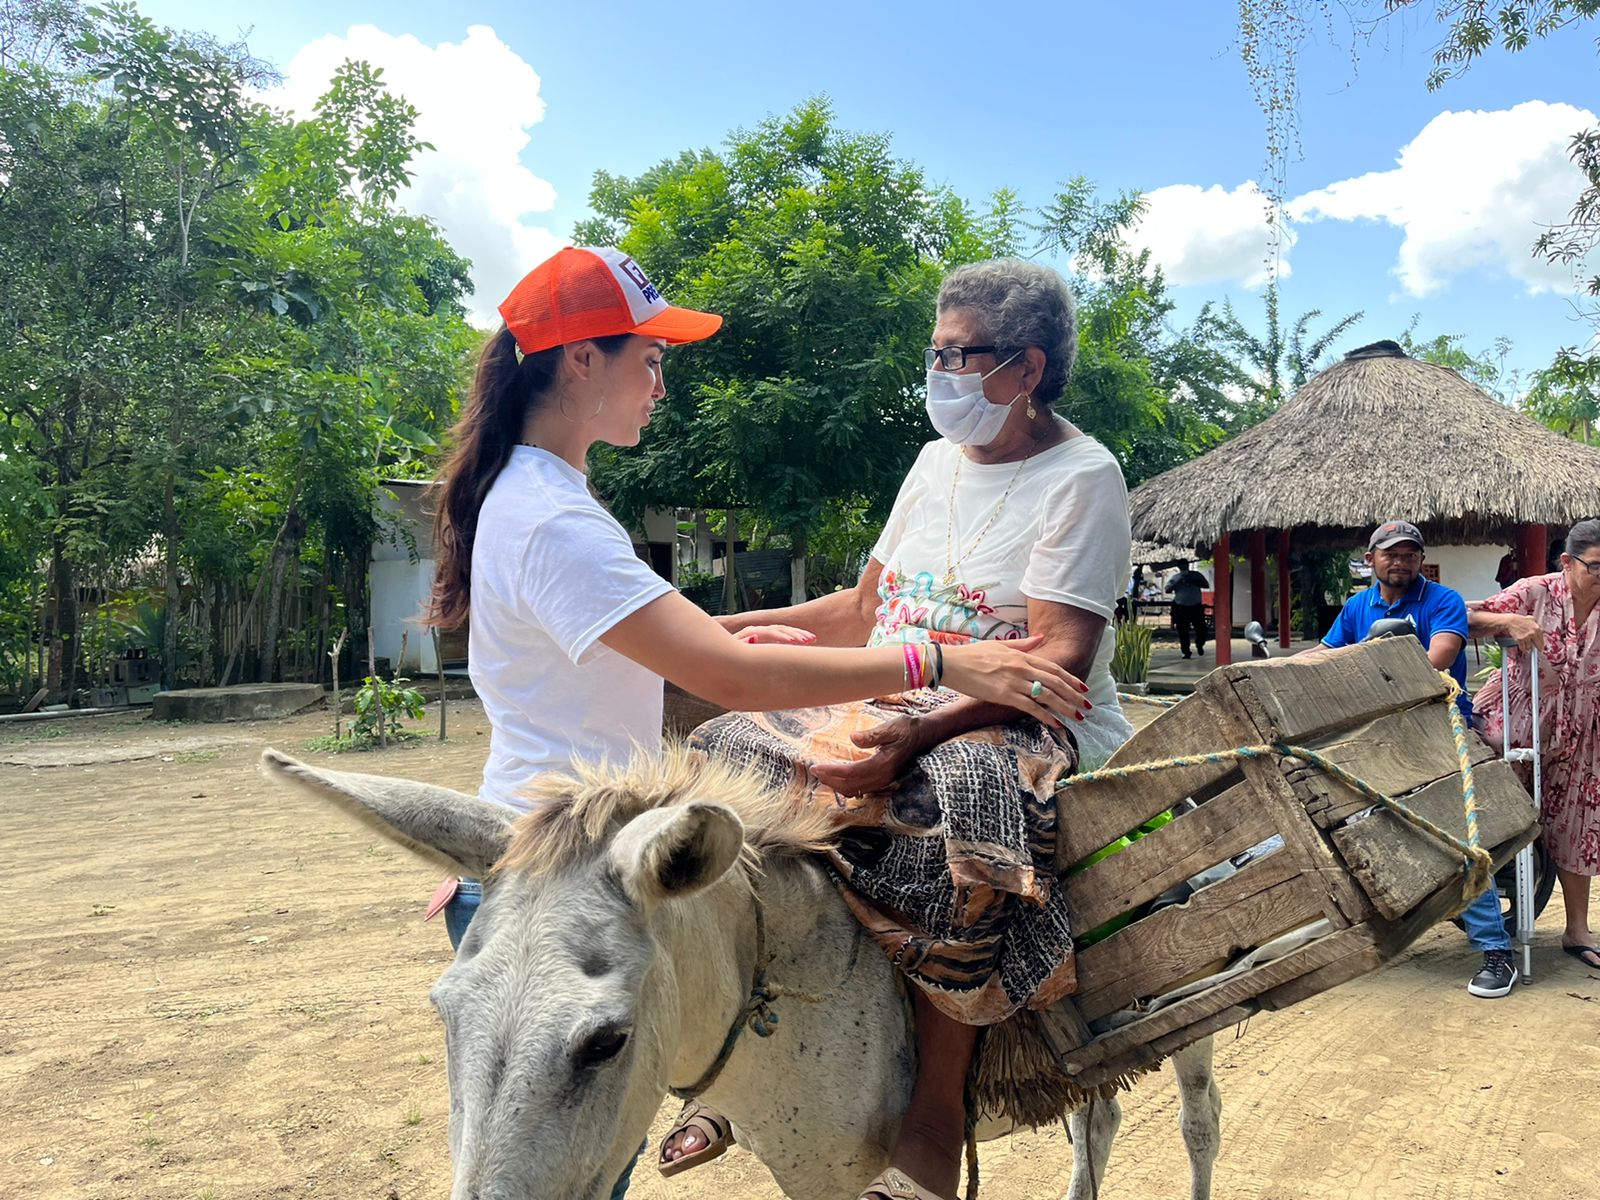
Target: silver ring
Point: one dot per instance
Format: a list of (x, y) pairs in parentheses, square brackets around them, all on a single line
[(1036, 690)]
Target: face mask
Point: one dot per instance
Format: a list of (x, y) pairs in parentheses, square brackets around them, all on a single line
[(961, 412)]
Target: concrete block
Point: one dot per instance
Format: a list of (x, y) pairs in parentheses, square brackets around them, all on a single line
[(246, 702)]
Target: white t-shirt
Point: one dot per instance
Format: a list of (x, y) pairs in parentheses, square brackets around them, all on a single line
[(1063, 535), (552, 571)]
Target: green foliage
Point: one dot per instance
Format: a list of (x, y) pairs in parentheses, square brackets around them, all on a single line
[(1566, 396), (1154, 395), (1486, 368), (1130, 660), (393, 698), (825, 253), (221, 333), (1277, 362)]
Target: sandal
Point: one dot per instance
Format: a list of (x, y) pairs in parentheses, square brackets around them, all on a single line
[(709, 1124), (1581, 954), (895, 1184)]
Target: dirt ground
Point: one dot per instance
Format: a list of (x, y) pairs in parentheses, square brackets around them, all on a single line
[(213, 989)]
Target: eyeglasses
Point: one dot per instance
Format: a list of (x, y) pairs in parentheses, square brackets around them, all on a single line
[(953, 358), (1592, 567)]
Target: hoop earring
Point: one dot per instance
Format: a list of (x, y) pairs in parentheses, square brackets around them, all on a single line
[(561, 406)]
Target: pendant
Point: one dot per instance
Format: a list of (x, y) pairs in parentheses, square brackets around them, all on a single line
[(950, 577)]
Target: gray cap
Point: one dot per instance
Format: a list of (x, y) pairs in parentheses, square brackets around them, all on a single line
[(1392, 533)]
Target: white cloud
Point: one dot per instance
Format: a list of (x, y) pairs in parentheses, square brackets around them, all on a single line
[(1472, 191), (1209, 235), (476, 100)]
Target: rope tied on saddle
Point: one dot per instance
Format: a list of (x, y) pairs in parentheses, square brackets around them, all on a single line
[(1478, 867)]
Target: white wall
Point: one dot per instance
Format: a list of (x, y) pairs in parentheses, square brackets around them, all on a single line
[(1468, 569), (400, 587), (399, 590)]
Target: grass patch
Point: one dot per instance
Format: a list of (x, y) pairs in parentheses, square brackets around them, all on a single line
[(196, 756), (414, 1115), (339, 745)]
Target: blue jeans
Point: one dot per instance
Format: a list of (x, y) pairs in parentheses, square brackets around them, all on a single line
[(1485, 926), (458, 914)]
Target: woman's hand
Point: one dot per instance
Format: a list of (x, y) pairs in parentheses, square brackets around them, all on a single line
[(1005, 673), (1525, 629), (896, 742), (776, 635)]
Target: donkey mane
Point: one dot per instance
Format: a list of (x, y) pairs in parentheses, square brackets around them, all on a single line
[(574, 810)]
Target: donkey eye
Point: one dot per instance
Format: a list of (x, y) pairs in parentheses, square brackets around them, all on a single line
[(601, 1046)]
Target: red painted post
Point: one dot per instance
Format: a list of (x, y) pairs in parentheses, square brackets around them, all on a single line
[(1533, 547), (1285, 608), (1258, 575), (1222, 599)]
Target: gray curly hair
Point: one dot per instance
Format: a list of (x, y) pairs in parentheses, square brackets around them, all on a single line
[(1020, 304)]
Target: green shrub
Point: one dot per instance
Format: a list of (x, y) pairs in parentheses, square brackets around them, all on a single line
[(1130, 661)]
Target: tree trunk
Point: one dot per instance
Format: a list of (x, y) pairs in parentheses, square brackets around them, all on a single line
[(287, 551), (61, 665), (218, 602), (797, 568), (730, 587), (169, 628)]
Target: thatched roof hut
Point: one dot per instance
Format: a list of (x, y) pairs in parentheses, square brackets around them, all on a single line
[(1375, 436)]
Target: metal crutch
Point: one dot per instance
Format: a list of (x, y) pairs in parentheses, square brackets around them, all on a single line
[(1523, 914)]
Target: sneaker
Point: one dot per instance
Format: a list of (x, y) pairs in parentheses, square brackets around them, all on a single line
[(1498, 977)]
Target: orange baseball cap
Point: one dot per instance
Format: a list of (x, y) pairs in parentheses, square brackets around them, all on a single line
[(591, 292)]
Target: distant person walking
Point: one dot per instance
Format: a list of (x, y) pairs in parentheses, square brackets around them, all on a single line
[(1188, 607)]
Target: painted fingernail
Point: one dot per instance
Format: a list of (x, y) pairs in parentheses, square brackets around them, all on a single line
[(1077, 716), (1087, 706), (1083, 687)]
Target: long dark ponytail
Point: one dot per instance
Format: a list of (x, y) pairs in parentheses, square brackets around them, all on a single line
[(505, 388)]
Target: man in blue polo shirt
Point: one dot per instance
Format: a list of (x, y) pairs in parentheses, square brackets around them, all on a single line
[(1439, 614)]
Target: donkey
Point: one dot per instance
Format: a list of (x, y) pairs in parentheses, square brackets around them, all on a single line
[(616, 950)]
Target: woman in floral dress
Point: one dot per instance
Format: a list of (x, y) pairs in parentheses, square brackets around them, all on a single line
[(1558, 614)]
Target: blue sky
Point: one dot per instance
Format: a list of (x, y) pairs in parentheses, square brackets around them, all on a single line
[(1405, 202)]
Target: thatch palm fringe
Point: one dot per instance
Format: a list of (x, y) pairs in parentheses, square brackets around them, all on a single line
[(1018, 1074), (1376, 436)]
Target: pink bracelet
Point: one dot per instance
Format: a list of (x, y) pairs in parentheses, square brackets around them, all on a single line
[(911, 668)]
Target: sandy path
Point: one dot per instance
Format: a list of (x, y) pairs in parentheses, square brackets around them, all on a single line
[(212, 990)]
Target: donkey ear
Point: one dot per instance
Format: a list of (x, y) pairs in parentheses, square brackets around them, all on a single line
[(461, 832), (671, 852)]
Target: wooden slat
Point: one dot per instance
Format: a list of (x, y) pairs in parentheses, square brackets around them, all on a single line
[(1093, 815), (1217, 830), (1399, 866), (1292, 699), (1396, 753), (1158, 952), (1359, 954), (1148, 1055), (1344, 902), (1238, 990)]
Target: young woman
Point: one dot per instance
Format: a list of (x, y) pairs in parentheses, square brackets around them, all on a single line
[(571, 634)]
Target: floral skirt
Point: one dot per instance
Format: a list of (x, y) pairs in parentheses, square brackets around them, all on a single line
[(952, 871)]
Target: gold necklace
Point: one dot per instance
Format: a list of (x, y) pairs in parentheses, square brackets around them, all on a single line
[(950, 523)]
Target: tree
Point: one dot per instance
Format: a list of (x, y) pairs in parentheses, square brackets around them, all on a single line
[(825, 253), (1276, 363), (220, 337), (1486, 368), (1566, 396)]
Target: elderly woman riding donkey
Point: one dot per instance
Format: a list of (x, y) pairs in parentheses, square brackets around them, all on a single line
[(642, 911)]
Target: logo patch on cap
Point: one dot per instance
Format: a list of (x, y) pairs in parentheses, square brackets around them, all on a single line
[(633, 271)]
